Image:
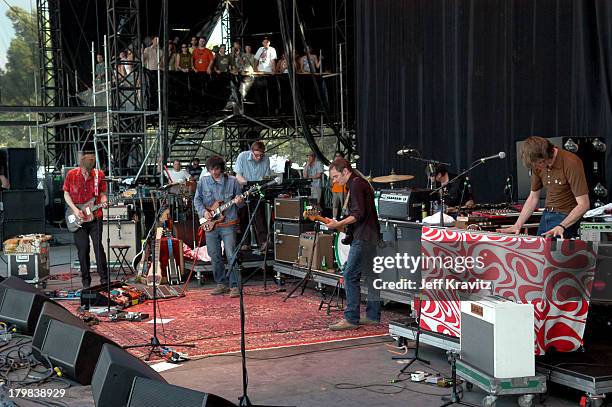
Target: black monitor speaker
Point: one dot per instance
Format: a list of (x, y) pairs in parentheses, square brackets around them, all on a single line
[(19, 166), (20, 304), (150, 393), (50, 311), (112, 379), (73, 349)]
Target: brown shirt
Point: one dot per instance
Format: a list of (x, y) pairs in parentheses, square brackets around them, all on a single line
[(361, 206), (564, 181)]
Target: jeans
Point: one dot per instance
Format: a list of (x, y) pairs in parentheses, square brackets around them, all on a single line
[(360, 259), (213, 244), (81, 240), (551, 219)]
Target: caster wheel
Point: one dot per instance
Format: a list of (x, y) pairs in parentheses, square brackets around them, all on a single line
[(469, 386), (489, 401), (526, 400), (594, 402)]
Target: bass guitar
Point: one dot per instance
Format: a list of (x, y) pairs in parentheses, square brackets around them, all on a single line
[(89, 208), (315, 216)]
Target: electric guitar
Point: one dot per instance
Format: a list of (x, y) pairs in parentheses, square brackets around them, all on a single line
[(89, 208), (217, 209), (315, 215)]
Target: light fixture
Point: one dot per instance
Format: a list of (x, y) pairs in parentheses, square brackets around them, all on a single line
[(570, 146), (600, 190), (599, 145)]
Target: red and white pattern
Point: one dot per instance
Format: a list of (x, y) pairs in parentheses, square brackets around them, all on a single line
[(555, 276)]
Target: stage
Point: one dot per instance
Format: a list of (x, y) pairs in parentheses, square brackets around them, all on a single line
[(312, 368)]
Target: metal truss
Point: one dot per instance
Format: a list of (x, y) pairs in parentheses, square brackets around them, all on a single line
[(52, 89)]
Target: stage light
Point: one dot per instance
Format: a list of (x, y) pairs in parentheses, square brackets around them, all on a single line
[(600, 190), (599, 146), (570, 146)]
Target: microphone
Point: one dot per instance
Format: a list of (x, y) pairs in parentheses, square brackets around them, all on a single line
[(275, 181), (407, 151), (501, 155)]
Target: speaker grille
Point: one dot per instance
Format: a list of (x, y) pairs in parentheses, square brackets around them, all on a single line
[(66, 350), (147, 393), (15, 307)]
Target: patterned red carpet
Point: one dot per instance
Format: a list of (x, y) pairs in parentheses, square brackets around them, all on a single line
[(212, 323)]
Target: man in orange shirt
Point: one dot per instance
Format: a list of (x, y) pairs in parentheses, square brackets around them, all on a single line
[(203, 58), (338, 193)]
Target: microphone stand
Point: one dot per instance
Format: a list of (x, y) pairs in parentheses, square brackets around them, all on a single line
[(440, 190), (429, 167)]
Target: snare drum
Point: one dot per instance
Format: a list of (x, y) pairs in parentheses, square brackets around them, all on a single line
[(341, 250)]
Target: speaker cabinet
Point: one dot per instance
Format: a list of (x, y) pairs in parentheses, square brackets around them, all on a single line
[(73, 349), (324, 249), (21, 205), (150, 393), (20, 167), (286, 248), (52, 311), (112, 379), (20, 304)]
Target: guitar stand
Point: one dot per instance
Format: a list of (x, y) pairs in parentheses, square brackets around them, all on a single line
[(335, 296)]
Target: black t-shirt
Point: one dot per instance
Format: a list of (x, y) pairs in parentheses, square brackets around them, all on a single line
[(455, 191), (194, 171)]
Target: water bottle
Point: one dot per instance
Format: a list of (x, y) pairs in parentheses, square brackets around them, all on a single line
[(323, 264)]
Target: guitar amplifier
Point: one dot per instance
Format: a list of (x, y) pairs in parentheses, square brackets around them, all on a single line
[(290, 208), (293, 228), (127, 233), (596, 231), (286, 247), (497, 337), (323, 249), (403, 204)]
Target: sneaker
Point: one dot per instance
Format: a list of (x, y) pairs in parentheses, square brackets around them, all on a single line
[(234, 292), (368, 321), (343, 325), (221, 289)]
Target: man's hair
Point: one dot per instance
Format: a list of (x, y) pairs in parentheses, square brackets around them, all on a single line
[(196, 160), (175, 160), (440, 169), (258, 146), (340, 153), (339, 164), (215, 161), (535, 149)]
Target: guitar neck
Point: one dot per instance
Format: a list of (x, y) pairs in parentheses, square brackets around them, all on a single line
[(232, 202)]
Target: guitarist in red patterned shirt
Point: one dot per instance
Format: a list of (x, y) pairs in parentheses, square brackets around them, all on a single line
[(81, 185)]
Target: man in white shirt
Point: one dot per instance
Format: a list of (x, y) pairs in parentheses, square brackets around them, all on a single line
[(177, 174), (265, 57)]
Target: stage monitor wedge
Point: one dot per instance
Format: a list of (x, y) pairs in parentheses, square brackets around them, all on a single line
[(52, 311), (150, 393), (112, 379), (73, 349), (20, 304)]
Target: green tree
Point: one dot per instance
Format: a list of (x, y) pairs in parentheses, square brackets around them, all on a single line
[(17, 79)]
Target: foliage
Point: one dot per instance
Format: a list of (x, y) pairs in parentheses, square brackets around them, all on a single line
[(17, 84)]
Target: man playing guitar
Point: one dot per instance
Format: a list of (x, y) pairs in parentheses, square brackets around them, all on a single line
[(364, 229), (81, 185), (213, 189)]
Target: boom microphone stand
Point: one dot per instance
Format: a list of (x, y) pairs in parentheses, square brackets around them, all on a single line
[(154, 342)]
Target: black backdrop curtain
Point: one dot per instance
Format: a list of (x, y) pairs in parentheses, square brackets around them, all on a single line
[(459, 80)]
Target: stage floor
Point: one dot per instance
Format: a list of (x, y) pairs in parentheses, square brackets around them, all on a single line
[(303, 375)]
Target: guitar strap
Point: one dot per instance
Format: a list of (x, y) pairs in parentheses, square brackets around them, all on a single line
[(96, 191), (346, 202)]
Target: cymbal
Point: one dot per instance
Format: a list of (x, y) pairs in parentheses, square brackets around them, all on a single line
[(387, 179)]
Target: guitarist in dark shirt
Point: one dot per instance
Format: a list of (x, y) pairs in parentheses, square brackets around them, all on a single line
[(363, 234), (82, 184)]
